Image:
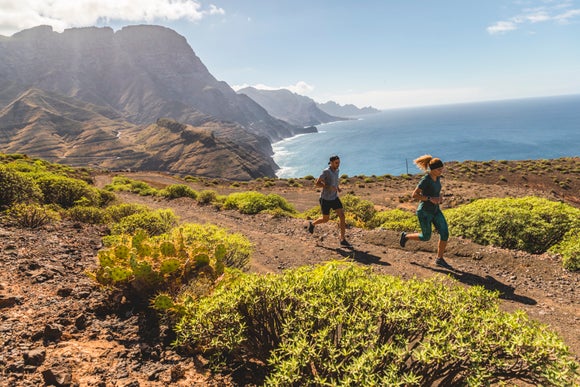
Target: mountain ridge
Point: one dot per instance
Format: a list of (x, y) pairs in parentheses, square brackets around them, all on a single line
[(139, 74)]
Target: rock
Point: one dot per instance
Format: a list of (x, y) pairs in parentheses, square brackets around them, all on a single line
[(52, 333), (57, 376), (34, 357), (8, 302)]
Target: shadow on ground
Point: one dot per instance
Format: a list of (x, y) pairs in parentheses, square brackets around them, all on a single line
[(506, 292)]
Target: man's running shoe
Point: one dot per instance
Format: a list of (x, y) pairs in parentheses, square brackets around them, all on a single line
[(345, 243)]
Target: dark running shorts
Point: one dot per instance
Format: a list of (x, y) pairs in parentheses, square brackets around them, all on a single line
[(327, 205)]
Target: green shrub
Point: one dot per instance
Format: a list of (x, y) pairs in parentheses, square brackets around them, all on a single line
[(66, 191), (175, 191), (190, 257), (397, 220), (339, 324), (16, 187), (254, 202), (124, 184), (152, 222), (119, 211), (237, 246), (141, 266), (88, 214), (207, 196), (106, 198), (569, 249), (32, 215), (357, 211), (531, 224)]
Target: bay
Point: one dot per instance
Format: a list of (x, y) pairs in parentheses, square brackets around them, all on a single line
[(389, 141)]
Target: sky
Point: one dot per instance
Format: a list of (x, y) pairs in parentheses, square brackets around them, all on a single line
[(381, 53)]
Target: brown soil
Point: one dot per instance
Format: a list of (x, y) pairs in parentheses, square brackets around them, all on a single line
[(57, 327)]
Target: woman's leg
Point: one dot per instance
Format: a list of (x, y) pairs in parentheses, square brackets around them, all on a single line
[(441, 226)]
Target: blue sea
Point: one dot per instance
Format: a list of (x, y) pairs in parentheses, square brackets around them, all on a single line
[(389, 141)]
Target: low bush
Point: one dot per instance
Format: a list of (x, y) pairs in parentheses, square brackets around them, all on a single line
[(152, 222), (119, 211), (207, 196), (175, 191), (252, 202), (397, 220), (190, 257), (340, 324), (16, 187), (530, 224), (66, 191), (569, 249), (88, 214), (32, 215), (140, 266), (358, 211), (124, 184), (237, 246)]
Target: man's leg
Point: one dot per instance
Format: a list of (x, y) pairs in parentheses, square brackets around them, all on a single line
[(342, 223)]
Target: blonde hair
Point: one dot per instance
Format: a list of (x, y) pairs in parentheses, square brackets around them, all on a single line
[(423, 161)]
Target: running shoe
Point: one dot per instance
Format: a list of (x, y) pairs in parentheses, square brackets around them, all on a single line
[(403, 239), (345, 243), (441, 263)]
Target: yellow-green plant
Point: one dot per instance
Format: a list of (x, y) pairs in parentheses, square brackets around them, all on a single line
[(32, 215), (358, 212), (340, 324), (531, 224), (141, 265), (121, 183), (16, 187), (152, 222), (207, 196), (569, 249), (237, 246), (252, 202), (88, 214), (66, 191), (175, 191), (119, 211), (397, 219), (189, 257)]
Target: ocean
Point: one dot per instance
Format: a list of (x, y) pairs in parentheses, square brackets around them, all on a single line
[(389, 141)]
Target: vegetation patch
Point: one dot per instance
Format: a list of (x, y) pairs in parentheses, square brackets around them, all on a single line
[(530, 224), (339, 324)]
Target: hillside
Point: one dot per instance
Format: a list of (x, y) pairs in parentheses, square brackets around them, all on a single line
[(57, 325), (67, 96), (290, 107)]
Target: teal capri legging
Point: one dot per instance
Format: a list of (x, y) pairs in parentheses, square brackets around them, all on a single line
[(438, 220)]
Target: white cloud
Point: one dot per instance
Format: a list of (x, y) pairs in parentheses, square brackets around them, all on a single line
[(557, 12), (501, 27), (17, 15)]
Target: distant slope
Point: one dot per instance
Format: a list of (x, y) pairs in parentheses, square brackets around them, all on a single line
[(65, 130), (104, 82), (349, 110), (144, 72), (290, 107)]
